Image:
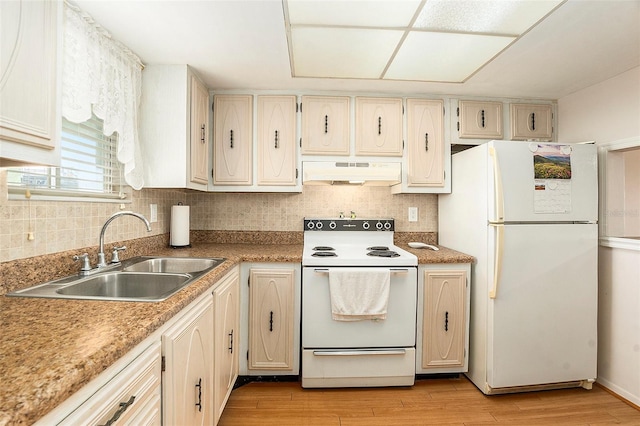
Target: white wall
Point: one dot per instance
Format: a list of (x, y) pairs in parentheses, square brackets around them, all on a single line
[(607, 112)]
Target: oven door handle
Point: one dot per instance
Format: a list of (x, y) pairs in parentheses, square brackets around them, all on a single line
[(360, 353), (392, 270)]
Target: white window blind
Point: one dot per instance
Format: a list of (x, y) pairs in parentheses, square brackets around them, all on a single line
[(88, 166)]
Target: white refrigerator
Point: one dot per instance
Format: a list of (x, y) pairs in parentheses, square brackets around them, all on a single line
[(528, 213)]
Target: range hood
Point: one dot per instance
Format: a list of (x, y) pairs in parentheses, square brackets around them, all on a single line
[(354, 173)]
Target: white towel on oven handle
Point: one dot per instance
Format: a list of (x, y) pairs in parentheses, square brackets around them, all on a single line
[(359, 293)]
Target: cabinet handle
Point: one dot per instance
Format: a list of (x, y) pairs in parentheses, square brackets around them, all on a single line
[(426, 141), (121, 410), (379, 125), (276, 139), (231, 342), (482, 118), (199, 386), (533, 120), (326, 124), (271, 321), (202, 133), (446, 321), (231, 138)]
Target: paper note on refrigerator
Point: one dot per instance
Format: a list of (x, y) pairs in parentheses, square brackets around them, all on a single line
[(552, 178)]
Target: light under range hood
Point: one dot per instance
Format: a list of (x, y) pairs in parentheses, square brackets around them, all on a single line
[(354, 173)]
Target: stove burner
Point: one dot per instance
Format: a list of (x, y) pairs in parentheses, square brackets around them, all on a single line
[(324, 254), (378, 248), (383, 253), (323, 248)]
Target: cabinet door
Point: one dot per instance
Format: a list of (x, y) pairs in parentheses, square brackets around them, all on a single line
[(531, 121), (425, 152), (325, 125), (379, 126), (226, 334), (233, 139), (480, 120), (443, 340), (271, 319), (188, 380), (276, 140), (28, 57), (199, 142)]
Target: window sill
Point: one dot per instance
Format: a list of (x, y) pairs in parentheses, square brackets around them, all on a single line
[(621, 243)]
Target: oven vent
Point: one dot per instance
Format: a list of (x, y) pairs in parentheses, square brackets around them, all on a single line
[(350, 173)]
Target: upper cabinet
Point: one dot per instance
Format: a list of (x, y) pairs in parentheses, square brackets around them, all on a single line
[(174, 134), (532, 121), (277, 140), (29, 82), (325, 125), (379, 126), (479, 120), (233, 139)]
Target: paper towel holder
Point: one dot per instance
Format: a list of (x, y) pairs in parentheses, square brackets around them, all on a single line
[(180, 228)]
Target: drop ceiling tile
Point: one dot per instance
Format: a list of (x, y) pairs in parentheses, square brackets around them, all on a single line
[(341, 52), (352, 13), (443, 57), (496, 17)]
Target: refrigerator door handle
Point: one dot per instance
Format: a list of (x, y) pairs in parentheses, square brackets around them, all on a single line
[(497, 261), (497, 188)]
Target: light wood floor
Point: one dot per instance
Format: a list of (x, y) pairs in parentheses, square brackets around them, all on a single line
[(433, 401)]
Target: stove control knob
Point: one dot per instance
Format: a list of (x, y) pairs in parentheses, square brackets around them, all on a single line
[(332, 224), (319, 225), (311, 225), (365, 225), (387, 226), (379, 225)]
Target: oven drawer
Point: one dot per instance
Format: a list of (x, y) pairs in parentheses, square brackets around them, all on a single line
[(358, 368)]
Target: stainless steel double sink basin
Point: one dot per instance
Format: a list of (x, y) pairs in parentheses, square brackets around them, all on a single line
[(140, 279)]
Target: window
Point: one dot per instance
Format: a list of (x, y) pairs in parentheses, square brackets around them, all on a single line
[(88, 166)]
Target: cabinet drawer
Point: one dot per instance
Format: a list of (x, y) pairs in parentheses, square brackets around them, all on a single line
[(134, 392)]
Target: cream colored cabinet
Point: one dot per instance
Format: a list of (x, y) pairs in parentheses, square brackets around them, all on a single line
[(133, 396), (325, 125), (173, 111), (271, 319), (29, 82), (233, 139), (188, 378), (425, 143), (276, 140), (479, 120), (379, 126), (199, 141), (443, 319), (226, 297), (531, 122)]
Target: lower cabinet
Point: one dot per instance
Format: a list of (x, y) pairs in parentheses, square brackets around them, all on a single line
[(270, 312), (132, 396), (188, 376), (226, 334), (443, 319)]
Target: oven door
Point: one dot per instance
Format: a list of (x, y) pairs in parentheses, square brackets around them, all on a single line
[(320, 331)]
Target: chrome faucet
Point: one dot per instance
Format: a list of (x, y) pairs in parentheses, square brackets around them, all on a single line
[(101, 261)]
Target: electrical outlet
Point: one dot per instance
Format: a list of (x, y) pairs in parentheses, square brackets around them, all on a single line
[(413, 214), (154, 212)]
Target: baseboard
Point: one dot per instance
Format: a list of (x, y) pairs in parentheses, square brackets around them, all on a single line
[(619, 393), (245, 380)]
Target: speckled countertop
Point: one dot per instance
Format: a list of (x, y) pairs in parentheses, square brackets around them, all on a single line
[(50, 348)]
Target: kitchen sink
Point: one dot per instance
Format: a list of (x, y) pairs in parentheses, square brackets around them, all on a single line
[(176, 265), (140, 279), (127, 285)]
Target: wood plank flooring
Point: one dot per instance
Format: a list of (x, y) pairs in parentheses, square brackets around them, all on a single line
[(452, 401)]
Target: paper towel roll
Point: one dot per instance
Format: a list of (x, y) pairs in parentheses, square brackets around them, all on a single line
[(179, 235)]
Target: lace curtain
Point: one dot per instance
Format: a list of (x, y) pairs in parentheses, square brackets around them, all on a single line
[(100, 73)]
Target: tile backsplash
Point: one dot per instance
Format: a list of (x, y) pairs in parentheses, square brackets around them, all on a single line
[(59, 226)]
